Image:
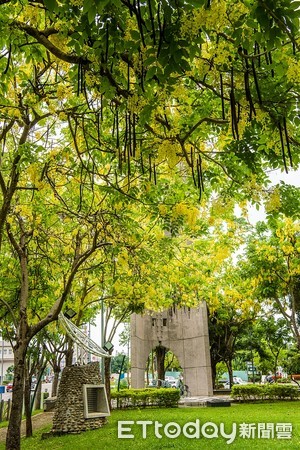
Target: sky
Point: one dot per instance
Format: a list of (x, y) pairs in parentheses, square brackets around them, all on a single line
[(276, 176)]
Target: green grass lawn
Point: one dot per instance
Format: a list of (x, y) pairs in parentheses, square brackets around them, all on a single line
[(107, 437), (4, 424)]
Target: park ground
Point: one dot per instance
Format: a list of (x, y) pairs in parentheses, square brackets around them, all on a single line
[(267, 416)]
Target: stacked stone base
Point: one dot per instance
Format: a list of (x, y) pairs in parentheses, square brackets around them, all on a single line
[(69, 406)]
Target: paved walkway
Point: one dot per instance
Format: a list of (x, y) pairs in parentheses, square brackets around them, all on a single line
[(202, 401), (38, 421)]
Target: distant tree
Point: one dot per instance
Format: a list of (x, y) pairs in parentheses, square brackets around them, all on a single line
[(116, 362)]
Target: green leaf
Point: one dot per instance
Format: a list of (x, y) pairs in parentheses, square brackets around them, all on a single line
[(150, 73), (51, 5), (135, 35), (92, 14), (87, 5)]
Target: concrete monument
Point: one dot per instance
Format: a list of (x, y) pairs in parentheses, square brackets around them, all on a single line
[(184, 331)]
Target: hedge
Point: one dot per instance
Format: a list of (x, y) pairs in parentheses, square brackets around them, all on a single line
[(142, 398), (265, 392)]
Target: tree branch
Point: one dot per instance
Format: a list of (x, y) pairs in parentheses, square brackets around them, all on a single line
[(56, 308), (11, 312), (205, 119), (43, 39)]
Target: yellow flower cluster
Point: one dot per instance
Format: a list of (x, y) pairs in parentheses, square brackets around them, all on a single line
[(76, 2), (136, 103), (131, 24), (169, 151), (273, 202), (190, 213), (223, 50), (293, 70)]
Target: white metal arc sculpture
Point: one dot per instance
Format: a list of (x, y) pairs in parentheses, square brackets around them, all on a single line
[(82, 339)]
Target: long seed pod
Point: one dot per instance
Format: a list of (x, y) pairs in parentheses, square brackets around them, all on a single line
[(199, 180), (287, 142), (282, 148), (257, 52), (80, 190), (128, 76), (120, 159), (160, 31), (125, 139), (201, 173), (101, 107), (106, 42), (129, 136), (128, 162), (134, 135), (98, 127), (114, 127), (248, 93), (142, 164), (238, 113), (150, 168), (198, 175), (140, 24), (222, 96), (117, 129), (193, 167), (234, 124), (152, 22), (154, 173), (266, 56), (8, 60), (142, 72), (271, 61), (256, 83), (78, 79), (82, 78)]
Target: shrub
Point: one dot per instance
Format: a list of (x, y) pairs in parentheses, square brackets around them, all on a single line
[(260, 392), (246, 391), (282, 391), (141, 398)]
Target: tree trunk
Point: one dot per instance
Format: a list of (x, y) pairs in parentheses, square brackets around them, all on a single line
[(69, 352), (13, 437), (107, 379), (230, 371), (27, 405), (147, 371), (152, 364), (38, 395), (214, 373), (55, 380), (160, 358)]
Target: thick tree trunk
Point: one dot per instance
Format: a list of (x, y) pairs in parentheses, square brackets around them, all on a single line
[(13, 437), (160, 358)]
